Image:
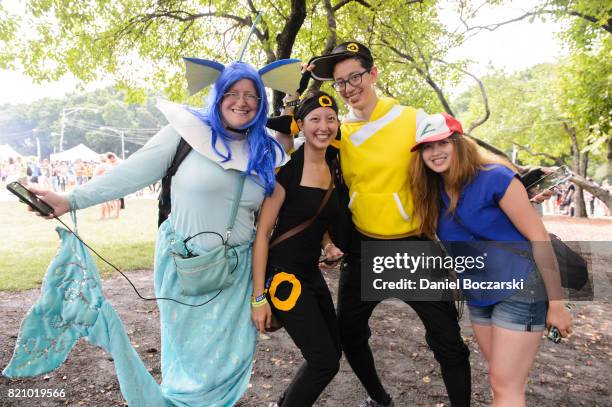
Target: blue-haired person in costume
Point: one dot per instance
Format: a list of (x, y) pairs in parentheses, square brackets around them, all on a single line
[(206, 351)]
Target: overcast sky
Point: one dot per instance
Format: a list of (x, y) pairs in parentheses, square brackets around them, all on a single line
[(512, 47)]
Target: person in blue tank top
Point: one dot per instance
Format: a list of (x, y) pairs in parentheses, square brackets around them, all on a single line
[(462, 194)]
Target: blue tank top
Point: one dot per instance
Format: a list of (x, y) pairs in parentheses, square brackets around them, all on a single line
[(478, 218)]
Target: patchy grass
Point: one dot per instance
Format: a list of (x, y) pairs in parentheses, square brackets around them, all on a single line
[(29, 243)]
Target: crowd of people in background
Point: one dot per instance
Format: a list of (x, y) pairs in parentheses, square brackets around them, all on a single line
[(62, 176), (563, 202)]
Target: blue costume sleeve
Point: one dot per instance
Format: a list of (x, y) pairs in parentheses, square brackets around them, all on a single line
[(496, 182), (147, 165)]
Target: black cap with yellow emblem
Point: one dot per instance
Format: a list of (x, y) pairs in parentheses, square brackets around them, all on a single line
[(324, 64), (313, 101)]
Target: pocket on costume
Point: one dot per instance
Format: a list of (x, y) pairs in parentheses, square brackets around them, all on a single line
[(205, 273)]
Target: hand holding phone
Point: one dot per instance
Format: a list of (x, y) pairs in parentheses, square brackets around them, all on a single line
[(30, 199), (549, 181), (554, 335), (45, 202)]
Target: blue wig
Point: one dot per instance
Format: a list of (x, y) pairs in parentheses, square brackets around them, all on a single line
[(262, 147)]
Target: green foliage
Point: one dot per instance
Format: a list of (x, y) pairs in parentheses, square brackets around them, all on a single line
[(523, 111), (586, 83), (8, 27), (141, 42), (111, 109), (529, 108)]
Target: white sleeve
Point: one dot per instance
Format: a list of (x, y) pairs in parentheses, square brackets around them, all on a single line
[(144, 167)]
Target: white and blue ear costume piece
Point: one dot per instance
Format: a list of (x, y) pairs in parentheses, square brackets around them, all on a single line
[(200, 73), (283, 75)]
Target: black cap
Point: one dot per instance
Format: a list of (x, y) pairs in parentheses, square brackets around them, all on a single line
[(324, 64), (313, 101)]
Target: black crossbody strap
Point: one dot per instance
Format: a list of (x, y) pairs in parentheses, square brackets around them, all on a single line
[(164, 205)]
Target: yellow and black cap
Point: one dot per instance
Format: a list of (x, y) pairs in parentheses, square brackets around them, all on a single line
[(313, 101), (324, 64)]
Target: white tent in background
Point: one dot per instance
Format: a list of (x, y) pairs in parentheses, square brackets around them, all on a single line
[(7, 152), (81, 152)]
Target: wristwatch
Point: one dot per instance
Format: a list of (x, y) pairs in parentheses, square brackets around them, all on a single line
[(292, 103)]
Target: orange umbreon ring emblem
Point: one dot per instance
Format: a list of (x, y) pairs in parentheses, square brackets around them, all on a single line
[(325, 101), (296, 290)]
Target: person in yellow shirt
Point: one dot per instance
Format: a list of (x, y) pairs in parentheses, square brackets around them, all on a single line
[(375, 152)]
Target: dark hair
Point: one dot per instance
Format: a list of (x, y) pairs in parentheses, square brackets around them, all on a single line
[(364, 62)]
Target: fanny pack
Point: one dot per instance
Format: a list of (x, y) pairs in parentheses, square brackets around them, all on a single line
[(205, 272)]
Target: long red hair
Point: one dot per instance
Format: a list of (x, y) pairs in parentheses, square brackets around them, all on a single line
[(466, 161)]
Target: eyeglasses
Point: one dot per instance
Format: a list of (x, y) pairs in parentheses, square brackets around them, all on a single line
[(248, 97), (355, 80)]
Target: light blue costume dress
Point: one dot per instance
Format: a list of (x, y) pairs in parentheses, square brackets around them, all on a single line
[(207, 351)]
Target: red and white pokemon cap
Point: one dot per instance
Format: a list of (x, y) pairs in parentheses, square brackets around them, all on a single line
[(436, 127)]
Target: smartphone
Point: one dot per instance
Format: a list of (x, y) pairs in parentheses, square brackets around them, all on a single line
[(330, 262), (29, 198), (554, 335), (549, 181)]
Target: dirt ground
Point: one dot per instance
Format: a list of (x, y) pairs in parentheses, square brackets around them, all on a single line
[(574, 373)]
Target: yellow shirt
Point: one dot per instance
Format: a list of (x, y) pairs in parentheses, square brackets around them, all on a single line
[(375, 157)]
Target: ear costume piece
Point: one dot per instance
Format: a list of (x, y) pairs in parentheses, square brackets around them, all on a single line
[(201, 73), (283, 75)]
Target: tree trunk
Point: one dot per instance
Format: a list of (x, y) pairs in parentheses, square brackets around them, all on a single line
[(609, 163), (286, 39), (577, 167), (581, 211), (600, 193)]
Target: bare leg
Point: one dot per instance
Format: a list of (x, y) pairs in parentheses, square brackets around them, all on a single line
[(484, 335), (512, 355)]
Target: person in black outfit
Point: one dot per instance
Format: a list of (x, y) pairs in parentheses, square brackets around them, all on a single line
[(298, 295)]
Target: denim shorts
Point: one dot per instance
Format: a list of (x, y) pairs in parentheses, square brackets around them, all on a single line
[(514, 314)]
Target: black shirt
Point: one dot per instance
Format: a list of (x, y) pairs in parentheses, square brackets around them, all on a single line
[(301, 203)]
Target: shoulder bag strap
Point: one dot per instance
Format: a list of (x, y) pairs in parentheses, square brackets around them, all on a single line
[(235, 205), (302, 226), (164, 205)]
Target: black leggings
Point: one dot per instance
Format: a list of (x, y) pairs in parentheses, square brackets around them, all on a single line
[(305, 308), (441, 333)]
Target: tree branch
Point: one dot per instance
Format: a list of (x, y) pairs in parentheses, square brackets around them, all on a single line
[(606, 26), (492, 27), (556, 160), (345, 2), (483, 93), (424, 75), (489, 147), (597, 191)]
